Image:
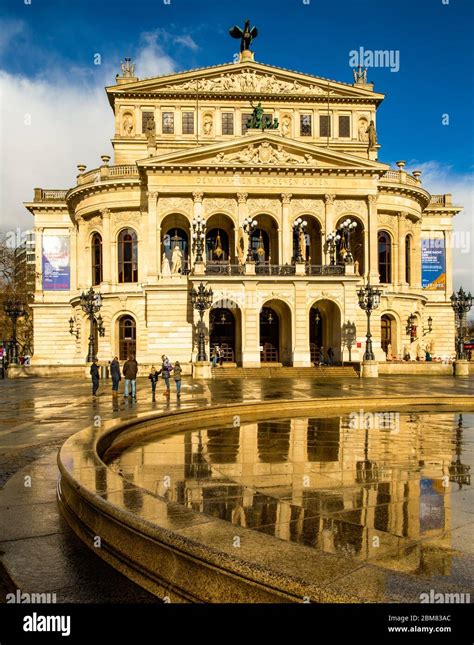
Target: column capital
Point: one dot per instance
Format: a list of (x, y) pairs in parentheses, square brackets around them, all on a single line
[(286, 198), (105, 212), (242, 198), (197, 197), (372, 199), (152, 194), (329, 199)]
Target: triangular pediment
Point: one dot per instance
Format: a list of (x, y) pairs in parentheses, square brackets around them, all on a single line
[(266, 150), (245, 79)]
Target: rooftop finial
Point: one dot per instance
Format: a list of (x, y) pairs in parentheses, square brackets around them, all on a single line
[(246, 35)]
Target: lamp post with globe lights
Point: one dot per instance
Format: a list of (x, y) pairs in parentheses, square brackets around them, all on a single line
[(248, 226), (201, 299), (299, 227), (461, 302), (345, 230), (199, 237), (369, 299), (91, 302), (14, 309), (332, 240)]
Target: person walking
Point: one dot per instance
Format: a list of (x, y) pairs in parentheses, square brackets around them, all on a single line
[(177, 371), (166, 368), (115, 375), (214, 357), (95, 375), (330, 356), (130, 371), (154, 375), (321, 356)]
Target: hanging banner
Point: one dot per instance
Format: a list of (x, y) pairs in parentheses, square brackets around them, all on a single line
[(433, 264), (56, 263)]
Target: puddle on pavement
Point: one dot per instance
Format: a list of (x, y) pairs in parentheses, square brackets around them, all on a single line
[(384, 486)]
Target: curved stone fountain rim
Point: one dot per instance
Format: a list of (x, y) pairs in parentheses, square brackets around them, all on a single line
[(141, 548)]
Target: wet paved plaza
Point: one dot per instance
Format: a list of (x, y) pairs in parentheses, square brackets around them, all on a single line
[(319, 482)]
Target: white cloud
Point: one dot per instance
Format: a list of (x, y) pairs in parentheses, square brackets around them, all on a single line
[(51, 123)]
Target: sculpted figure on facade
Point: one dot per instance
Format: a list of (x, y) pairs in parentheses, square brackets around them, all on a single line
[(151, 130), (372, 136), (176, 261), (165, 266), (207, 124), (127, 125), (362, 131)]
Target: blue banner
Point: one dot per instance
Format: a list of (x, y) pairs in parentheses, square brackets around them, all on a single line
[(433, 264), (56, 263)]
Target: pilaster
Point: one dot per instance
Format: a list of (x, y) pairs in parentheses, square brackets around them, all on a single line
[(285, 233), (373, 268), (329, 212), (106, 251), (151, 243)]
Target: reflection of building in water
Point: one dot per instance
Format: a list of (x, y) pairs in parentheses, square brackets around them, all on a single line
[(302, 480)]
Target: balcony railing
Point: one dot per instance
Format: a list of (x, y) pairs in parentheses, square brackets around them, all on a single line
[(107, 172), (45, 195), (321, 269), (398, 177), (442, 200), (224, 268), (274, 269)]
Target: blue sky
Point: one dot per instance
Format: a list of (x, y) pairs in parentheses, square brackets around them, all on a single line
[(434, 41), (54, 113)]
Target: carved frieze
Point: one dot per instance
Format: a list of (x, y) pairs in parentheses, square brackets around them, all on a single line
[(216, 204), (310, 206), (179, 204), (94, 222), (248, 81), (350, 206), (265, 153), (267, 205), (384, 219)]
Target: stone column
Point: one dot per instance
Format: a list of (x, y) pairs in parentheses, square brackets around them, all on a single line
[(401, 249), (395, 273), (301, 353), (328, 222), (151, 242), (448, 249), (373, 242), (416, 268), (39, 258), (251, 327), (242, 212), (106, 251), (285, 230), (82, 267), (198, 267)]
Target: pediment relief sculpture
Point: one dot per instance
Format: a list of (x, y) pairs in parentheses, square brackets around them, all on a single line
[(265, 153), (246, 81)]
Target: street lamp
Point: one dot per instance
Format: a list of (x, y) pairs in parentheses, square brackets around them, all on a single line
[(249, 225), (459, 472), (332, 240), (91, 302), (14, 309), (72, 331), (369, 299), (411, 327), (461, 302), (201, 300), (199, 236), (299, 226)]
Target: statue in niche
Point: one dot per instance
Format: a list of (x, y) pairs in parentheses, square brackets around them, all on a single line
[(151, 130), (302, 245), (363, 136), (165, 266), (372, 136), (176, 261), (285, 126), (127, 125), (207, 124)]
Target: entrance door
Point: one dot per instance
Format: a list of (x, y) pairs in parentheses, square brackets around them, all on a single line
[(222, 326), (315, 334), (269, 335), (127, 337)]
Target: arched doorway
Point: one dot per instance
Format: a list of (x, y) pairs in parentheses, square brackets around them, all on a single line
[(275, 333), (127, 337), (354, 239), (324, 331), (175, 232), (223, 333), (314, 248), (264, 240), (220, 239), (388, 336)]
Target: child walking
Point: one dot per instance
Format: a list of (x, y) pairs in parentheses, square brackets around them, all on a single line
[(153, 376)]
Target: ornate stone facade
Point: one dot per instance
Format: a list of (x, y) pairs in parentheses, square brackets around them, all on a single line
[(196, 176)]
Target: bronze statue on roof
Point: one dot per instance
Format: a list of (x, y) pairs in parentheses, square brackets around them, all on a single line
[(246, 35)]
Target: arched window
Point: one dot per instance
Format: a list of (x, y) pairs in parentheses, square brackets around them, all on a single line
[(96, 259), (260, 245), (217, 245), (408, 259), (386, 333), (127, 337), (127, 256), (385, 257)]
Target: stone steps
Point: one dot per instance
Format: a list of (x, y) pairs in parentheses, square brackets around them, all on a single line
[(285, 372)]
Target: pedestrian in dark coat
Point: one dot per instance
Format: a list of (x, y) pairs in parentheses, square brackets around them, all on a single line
[(115, 375), (154, 377), (130, 371), (165, 370), (95, 375), (177, 371)]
